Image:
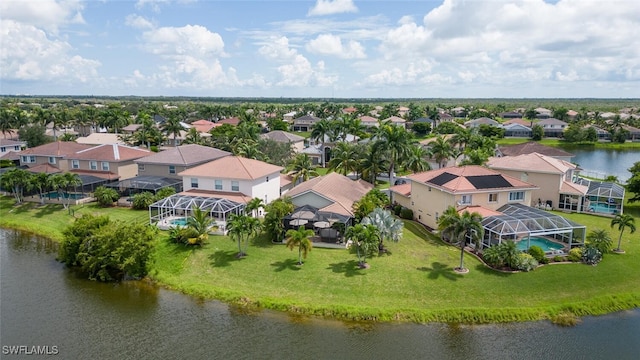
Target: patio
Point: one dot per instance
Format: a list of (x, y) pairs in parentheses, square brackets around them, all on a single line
[(327, 226)]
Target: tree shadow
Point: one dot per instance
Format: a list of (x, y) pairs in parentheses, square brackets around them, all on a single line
[(289, 264), (222, 258), (490, 271), (45, 210), (261, 241), (349, 268), (439, 269)]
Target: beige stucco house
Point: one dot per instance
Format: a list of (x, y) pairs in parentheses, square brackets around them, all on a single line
[(484, 190), (51, 155), (296, 141), (170, 162), (111, 161)]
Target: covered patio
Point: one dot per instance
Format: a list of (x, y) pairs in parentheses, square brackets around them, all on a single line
[(520, 222), (149, 183), (603, 197), (175, 209), (328, 226)]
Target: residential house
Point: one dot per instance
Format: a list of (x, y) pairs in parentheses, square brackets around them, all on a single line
[(305, 123), (349, 110), (331, 193), (430, 193), (510, 115), (170, 162), (533, 147), (603, 135), (554, 178), (369, 121), (398, 121), (288, 117), (517, 130), (542, 113), (296, 141), (100, 139), (204, 126), (475, 123), (634, 133), (403, 111), (10, 150), (553, 127), (52, 154), (233, 121), (110, 161), (234, 178)]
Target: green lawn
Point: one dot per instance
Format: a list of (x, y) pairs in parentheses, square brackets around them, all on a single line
[(414, 282)]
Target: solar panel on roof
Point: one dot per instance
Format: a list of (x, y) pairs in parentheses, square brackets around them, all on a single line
[(489, 181), (442, 179)]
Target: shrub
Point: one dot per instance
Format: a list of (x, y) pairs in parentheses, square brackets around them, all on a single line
[(526, 262), (491, 257), (142, 201), (591, 256), (536, 252), (182, 235), (575, 254), (406, 213), (558, 258), (397, 209), (163, 193), (105, 196)]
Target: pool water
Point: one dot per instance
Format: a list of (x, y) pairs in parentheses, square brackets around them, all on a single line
[(602, 208), (178, 221), (542, 243), (55, 195)]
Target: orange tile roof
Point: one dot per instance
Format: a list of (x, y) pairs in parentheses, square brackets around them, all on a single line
[(533, 162), (460, 183), (58, 148), (483, 211), (101, 174), (573, 189), (233, 167), (402, 189), (110, 152), (44, 168)]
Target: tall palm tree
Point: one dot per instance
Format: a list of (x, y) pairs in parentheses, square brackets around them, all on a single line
[(63, 183), (623, 221), (6, 123), (461, 227), (415, 160), (193, 137), (440, 150), (395, 141), (321, 130), (300, 238), (344, 159), (17, 180), (364, 238), (390, 228), (372, 163), (301, 168), (41, 182), (200, 222), (241, 228), (253, 205), (173, 127)]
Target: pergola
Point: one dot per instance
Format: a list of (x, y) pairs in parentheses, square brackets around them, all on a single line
[(178, 205), (145, 183), (518, 220), (604, 197)]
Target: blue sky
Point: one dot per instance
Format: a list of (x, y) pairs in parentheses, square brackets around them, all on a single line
[(322, 48)]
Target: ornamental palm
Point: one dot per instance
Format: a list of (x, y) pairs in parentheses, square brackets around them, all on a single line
[(301, 168), (623, 221), (372, 163), (344, 159), (462, 227), (390, 228), (173, 127), (241, 228), (415, 160), (364, 238), (200, 222), (41, 182), (440, 150), (599, 239), (17, 180), (301, 239), (253, 205), (395, 141)]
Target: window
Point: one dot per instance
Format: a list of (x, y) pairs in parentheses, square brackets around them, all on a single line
[(105, 166), (235, 186), (516, 196), (194, 183), (93, 165), (52, 160), (140, 167), (75, 164), (466, 199), (493, 197), (28, 159), (218, 185), (16, 148), (172, 169), (267, 179), (4, 149)]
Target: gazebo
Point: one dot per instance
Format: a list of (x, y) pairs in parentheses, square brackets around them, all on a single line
[(175, 209), (518, 221)]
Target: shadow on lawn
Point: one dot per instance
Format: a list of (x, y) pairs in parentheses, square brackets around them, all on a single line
[(46, 210), (261, 241), (489, 271), (289, 264), (438, 269), (222, 258), (349, 268)]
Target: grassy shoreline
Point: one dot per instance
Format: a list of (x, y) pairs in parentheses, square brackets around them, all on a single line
[(559, 143), (416, 283)]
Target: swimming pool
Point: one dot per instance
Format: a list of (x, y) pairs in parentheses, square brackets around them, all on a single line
[(544, 244), (55, 195), (603, 208), (178, 221)]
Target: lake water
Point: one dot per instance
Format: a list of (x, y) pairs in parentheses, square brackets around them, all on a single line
[(605, 161), (44, 304)]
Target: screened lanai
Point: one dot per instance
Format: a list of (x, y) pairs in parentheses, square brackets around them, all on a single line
[(603, 197), (175, 209), (139, 184), (518, 222)]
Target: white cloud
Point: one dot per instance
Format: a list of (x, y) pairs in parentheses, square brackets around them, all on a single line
[(327, 44), (30, 54), (47, 14), (152, 4), (277, 48), (138, 22), (328, 7), (189, 40)]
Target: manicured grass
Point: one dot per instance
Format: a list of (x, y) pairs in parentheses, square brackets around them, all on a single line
[(414, 282)]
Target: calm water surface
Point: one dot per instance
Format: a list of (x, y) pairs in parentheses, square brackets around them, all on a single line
[(42, 303), (606, 161)]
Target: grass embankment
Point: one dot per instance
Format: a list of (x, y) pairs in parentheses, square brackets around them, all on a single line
[(415, 282), (560, 143)]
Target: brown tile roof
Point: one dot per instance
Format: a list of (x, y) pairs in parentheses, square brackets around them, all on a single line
[(533, 162), (107, 175), (11, 155), (9, 142), (191, 154), (285, 180), (204, 125), (233, 167), (483, 211), (282, 136), (368, 119), (531, 147), (395, 119), (524, 122), (237, 197), (470, 178), (44, 168), (402, 189), (573, 189), (58, 149), (111, 153), (336, 187), (231, 121)]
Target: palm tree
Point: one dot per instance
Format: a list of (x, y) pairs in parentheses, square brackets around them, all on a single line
[(440, 150), (200, 222), (623, 221), (253, 205), (41, 182), (415, 160), (173, 127), (462, 227), (344, 159), (389, 227), (395, 141), (599, 239), (17, 180), (193, 137), (321, 130), (62, 183), (301, 168), (241, 228), (372, 163), (301, 239), (364, 238), (6, 123)]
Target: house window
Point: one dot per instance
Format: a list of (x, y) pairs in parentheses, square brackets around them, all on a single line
[(516, 196), (16, 148), (267, 179), (493, 198), (75, 164), (140, 167), (4, 149), (93, 165), (172, 169), (52, 160), (466, 200), (194, 183), (28, 159), (218, 185), (105, 166), (235, 186)]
